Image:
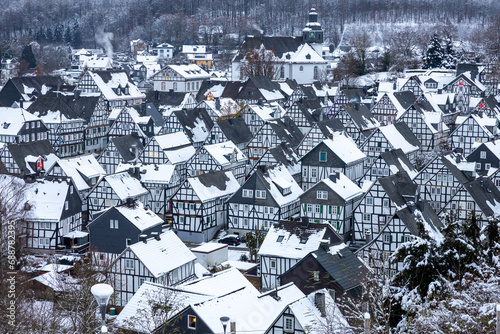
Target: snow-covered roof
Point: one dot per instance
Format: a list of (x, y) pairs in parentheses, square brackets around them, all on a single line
[(267, 112), (219, 184), (304, 54), (164, 255), (55, 267), (125, 185), (176, 146), (151, 173), (344, 148), (225, 103), (47, 199), (279, 177), (96, 62), (343, 187), (434, 121), (115, 80), (138, 215), (396, 139), (58, 282), (13, 120), (290, 245), (49, 160), (190, 72), (79, 167), (223, 153)]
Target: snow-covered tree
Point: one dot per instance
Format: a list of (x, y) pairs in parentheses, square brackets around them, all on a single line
[(434, 55)]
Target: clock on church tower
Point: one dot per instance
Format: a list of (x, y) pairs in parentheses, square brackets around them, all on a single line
[(313, 33)]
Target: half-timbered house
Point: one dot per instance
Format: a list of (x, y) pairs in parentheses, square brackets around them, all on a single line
[(271, 134), (268, 196), (388, 163), (198, 207), (26, 89), (127, 120), (54, 209), (464, 88), (488, 76), (320, 131), (352, 96), (388, 137), (412, 84), (256, 115), (305, 112), (473, 130), (233, 129), (332, 200), (391, 105), (162, 259), (125, 149), (179, 78), (357, 120), (339, 154), (222, 156), (281, 154), (161, 181), (33, 158), (116, 189), (174, 148), (486, 158), (20, 126), (195, 123), (286, 243), (66, 127), (254, 89)]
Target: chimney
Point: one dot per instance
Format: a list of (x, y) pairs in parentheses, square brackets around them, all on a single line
[(234, 156), (143, 238), (217, 103), (325, 245), (232, 326), (305, 222), (319, 302), (334, 176), (321, 116), (156, 235), (76, 93)]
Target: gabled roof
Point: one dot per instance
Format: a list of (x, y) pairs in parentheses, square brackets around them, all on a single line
[(13, 119), (212, 185), (278, 44), (343, 147), (125, 145), (125, 185), (80, 169), (286, 129), (109, 81), (422, 213), (284, 154), (151, 173), (276, 179), (486, 195), (340, 185), (225, 153), (196, 123), (164, 255), (255, 88), (344, 267), (397, 161), (149, 110), (137, 214), (176, 146), (26, 154), (399, 187), (236, 130), (361, 115), (400, 136), (188, 72), (47, 198), (55, 108), (215, 87), (328, 126), (299, 239)]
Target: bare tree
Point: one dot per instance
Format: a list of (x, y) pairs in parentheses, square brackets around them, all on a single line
[(261, 62)]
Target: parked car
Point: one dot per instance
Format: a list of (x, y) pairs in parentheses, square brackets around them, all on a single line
[(230, 240)]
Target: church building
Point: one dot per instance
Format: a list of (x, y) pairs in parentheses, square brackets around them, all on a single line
[(297, 58)]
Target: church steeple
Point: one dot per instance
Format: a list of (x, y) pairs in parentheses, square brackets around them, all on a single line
[(313, 33)]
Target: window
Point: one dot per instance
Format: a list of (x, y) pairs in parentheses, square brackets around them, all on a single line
[(309, 207), (260, 194), (128, 242), (314, 173), (301, 68), (113, 223), (129, 264), (303, 240), (387, 238), (66, 206), (247, 193), (487, 166), (322, 156), (317, 208), (367, 217), (280, 238), (386, 203), (321, 194), (316, 73), (288, 324), (483, 154), (287, 190), (191, 322), (273, 264), (141, 280), (304, 172), (369, 201), (478, 165), (470, 206), (316, 275)]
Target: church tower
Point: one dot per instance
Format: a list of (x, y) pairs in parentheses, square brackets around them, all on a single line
[(313, 33)]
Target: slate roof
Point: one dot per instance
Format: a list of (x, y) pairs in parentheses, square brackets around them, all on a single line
[(397, 187), (206, 86), (167, 99), (54, 102), (28, 88), (287, 130), (259, 87), (398, 162), (236, 130), (25, 155), (284, 154), (329, 125), (124, 145), (149, 109), (190, 121), (212, 185), (342, 265), (405, 98), (485, 194), (425, 214), (460, 168), (278, 44), (361, 115), (311, 109)]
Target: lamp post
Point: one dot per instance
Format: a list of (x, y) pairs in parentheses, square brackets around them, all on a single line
[(224, 321), (102, 292)]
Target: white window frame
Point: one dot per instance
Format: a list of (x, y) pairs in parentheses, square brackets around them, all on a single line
[(288, 320), (482, 154), (247, 193), (129, 264), (260, 194), (321, 194), (113, 224)]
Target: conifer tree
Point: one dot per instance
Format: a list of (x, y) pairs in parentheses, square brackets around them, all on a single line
[(28, 56), (434, 55)]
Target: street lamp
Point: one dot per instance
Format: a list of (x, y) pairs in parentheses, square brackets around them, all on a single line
[(224, 321), (102, 292)]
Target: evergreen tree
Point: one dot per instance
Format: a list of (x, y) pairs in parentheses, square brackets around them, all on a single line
[(450, 56), (58, 33), (28, 56), (76, 38), (434, 55), (67, 35), (48, 35)]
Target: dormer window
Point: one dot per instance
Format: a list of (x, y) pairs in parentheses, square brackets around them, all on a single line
[(303, 240), (280, 238), (287, 190)]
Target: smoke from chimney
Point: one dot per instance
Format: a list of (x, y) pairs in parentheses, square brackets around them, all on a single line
[(104, 39)]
